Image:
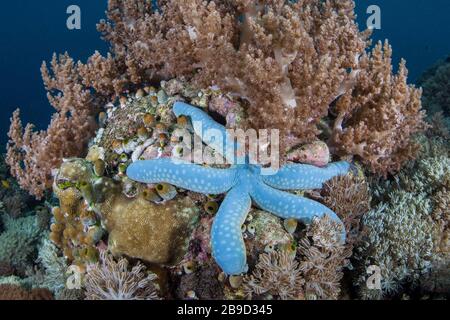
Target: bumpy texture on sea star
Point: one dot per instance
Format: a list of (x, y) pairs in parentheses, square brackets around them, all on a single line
[(242, 183)]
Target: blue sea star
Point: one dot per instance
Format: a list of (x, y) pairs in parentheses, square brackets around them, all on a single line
[(242, 183)]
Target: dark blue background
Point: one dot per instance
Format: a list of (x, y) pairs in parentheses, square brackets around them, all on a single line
[(30, 31)]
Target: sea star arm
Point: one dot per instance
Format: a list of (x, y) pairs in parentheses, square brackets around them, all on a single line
[(183, 174), (288, 206), (303, 176), (227, 243), (211, 132)]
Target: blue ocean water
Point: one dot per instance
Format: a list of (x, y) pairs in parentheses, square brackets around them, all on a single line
[(30, 31)]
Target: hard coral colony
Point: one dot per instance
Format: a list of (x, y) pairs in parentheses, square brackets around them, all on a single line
[(113, 157)]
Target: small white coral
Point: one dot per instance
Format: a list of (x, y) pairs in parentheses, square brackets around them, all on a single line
[(111, 280), (54, 265)]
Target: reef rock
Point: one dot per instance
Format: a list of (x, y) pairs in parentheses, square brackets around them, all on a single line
[(316, 153)]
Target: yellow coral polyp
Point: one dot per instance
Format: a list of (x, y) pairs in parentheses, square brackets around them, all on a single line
[(140, 94), (99, 167), (211, 207), (154, 100), (149, 120), (166, 191), (182, 121), (150, 195), (161, 127), (290, 225), (122, 168), (150, 89), (143, 133), (57, 213), (6, 184), (162, 139)]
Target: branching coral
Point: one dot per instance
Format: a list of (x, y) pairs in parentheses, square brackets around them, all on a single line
[(111, 280), (289, 60), (243, 183), (33, 155), (377, 118)]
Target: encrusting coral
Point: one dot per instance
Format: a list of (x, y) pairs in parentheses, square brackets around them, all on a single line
[(89, 204), (113, 280)]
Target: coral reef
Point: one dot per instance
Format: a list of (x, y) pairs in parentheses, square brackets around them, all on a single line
[(281, 46), (348, 196), (75, 228), (323, 258), (54, 266), (33, 155), (16, 292), (292, 64), (277, 274), (155, 233), (143, 220), (315, 273), (203, 281), (377, 119), (111, 280), (242, 183), (436, 87), (18, 242), (408, 226)]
